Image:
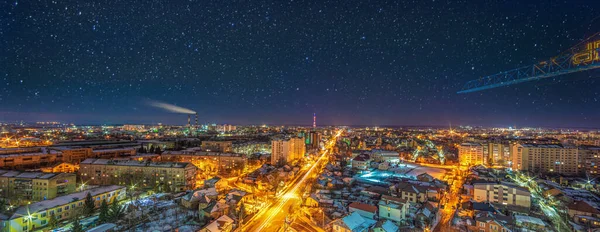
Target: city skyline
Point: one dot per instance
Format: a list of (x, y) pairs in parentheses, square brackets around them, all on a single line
[(384, 63)]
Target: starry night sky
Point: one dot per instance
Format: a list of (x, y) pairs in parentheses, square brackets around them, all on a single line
[(277, 62)]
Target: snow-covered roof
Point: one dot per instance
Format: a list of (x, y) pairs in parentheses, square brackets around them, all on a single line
[(389, 226), (217, 225), (528, 219), (27, 175), (355, 222)]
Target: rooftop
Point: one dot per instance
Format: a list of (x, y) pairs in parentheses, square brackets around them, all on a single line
[(135, 163), (363, 207), (27, 175)]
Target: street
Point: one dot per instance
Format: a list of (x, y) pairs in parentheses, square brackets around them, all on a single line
[(275, 216), (451, 200)]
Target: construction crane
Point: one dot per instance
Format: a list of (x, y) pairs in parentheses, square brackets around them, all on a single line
[(581, 57)]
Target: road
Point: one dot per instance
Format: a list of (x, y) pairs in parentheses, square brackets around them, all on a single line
[(275, 217), (548, 204), (451, 200)]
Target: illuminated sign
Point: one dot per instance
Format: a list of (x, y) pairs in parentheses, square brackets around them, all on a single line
[(592, 53)]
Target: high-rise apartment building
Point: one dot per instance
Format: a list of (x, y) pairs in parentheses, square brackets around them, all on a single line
[(497, 153), (287, 150), (312, 139), (470, 154), (590, 160), (545, 158)]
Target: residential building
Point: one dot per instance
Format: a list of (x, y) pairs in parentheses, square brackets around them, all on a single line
[(27, 187), (287, 150), (37, 215), (30, 159), (225, 164), (545, 158), (385, 156), (361, 162), (497, 153), (584, 212), (217, 146), (252, 147), (393, 208), (352, 223), (169, 176), (42, 157), (312, 139), (491, 224), (365, 210), (385, 226), (590, 160), (470, 154), (222, 224), (412, 193), (502, 193), (531, 223)]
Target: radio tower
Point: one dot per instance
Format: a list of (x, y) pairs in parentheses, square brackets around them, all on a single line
[(314, 120)]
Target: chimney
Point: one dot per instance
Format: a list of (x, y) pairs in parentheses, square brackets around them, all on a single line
[(189, 115), (196, 119)]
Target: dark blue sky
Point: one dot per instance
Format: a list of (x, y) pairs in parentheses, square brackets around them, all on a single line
[(277, 62)]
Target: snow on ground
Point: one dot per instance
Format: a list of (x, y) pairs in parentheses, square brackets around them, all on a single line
[(402, 171), (170, 219), (437, 173)]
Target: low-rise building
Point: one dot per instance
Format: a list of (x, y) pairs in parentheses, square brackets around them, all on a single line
[(361, 162), (352, 223), (26, 187), (172, 176), (584, 212), (37, 215), (222, 224), (413, 193), (365, 210), (491, 224), (393, 208)]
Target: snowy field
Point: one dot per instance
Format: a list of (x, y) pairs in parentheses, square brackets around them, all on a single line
[(437, 173), (402, 171)]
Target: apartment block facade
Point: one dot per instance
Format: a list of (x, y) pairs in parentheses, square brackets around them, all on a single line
[(471, 154), (173, 176), (37, 215), (287, 150), (27, 187), (545, 158), (502, 193)]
